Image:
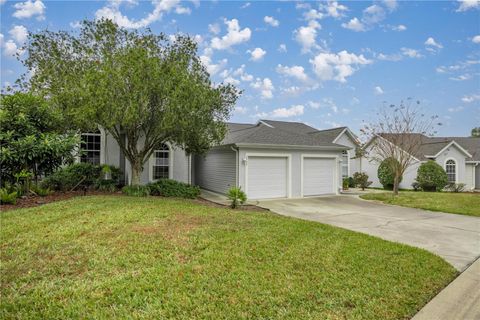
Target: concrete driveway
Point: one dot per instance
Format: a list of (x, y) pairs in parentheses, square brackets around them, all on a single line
[(454, 237)]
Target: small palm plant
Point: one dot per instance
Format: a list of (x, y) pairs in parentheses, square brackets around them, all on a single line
[(237, 196)]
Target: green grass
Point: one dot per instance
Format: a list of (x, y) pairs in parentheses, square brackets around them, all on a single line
[(460, 203), (109, 257)]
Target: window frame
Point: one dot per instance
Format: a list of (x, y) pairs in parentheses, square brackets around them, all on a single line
[(455, 169), (91, 134), (168, 150), (344, 163)]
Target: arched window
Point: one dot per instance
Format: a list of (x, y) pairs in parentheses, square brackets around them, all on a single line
[(451, 170), (344, 164), (161, 162)]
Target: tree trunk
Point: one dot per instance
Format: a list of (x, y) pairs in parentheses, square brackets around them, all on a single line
[(395, 185), (137, 169)]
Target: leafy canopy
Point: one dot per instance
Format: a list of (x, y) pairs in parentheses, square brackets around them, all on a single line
[(32, 136), (431, 176), (143, 85)]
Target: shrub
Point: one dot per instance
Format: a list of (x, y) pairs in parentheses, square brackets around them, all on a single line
[(237, 196), (361, 180), (455, 187), (172, 188), (351, 182), (42, 192), (7, 197), (385, 173), (416, 186), (106, 185), (345, 183), (431, 176), (84, 175), (136, 191)]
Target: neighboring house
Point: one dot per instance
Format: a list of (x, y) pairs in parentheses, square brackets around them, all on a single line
[(269, 159), (276, 159), (458, 156)]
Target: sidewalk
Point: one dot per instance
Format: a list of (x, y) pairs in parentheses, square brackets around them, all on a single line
[(460, 300)]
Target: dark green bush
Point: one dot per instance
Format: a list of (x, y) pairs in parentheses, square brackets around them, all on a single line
[(7, 197), (386, 174), (81, 175), (172, 188), (237, 196), (345, 183), (39, 191), (416, 186), (351, 182), (361, 180), (431, 176), (136, 191)]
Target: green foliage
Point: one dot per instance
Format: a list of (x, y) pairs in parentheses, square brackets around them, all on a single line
[(147, 84), (431, 176), (237, 196), (105, 185), (42, 192), (386, 173), (351, 182), (32, 136), (416, 186), (455, 187), (81, 175), (345, 184), (136, 191), (475, 132), (361, 180), (172, 188), (7, 197)]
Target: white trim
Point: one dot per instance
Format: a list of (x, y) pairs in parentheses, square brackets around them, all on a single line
[(170, 163), (350, 133), (448, 146), (103, 145), (456, 167), (272, 155), (335, 175), (263, 122), (290, 146), (237, 165)]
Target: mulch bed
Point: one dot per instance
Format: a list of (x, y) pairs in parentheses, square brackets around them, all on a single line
[(35, 201)]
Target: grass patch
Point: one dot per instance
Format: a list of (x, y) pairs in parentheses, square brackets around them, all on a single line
[(460, 203), (150, 258)]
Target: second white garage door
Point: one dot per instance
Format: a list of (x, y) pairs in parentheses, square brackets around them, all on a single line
[(318, 176), (267, 177)]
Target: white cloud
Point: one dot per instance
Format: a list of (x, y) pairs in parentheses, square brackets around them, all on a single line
[(411, 53), (29, 9), (378, 91), (244, 76), (354, 25), (241, 110), (399, 28), (467, 5), (271, 21), (19, 34), (390, 57), (333, 9), (391, 4), (293, 111), (337, 66), (456, 109), (431, 42), (373, 14), (257, 54), (265, 87), (231, 80), (214, 28), (246, 5), (10, 48), (461, 77), (112, 11), (292, 91), (476, 39), (307, 35), (471, 98), (233, 37), (75, 24), (282, 47), (213, 68), (314, 105), (297, 72), (1, 40)]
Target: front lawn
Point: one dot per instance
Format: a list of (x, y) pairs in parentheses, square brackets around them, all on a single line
[(108, 257), (461, 203)]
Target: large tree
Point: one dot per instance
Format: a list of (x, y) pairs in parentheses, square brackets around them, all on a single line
[(475, 132), (141, 88), (398, 133)]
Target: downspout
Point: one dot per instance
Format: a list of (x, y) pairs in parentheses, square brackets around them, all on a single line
[(237, 161), (474, 171)]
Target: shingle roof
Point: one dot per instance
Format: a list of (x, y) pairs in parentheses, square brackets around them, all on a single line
[(271, 132), (430, 146)]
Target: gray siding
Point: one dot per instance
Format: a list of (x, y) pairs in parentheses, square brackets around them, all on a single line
[(477, 177), (216, 171)]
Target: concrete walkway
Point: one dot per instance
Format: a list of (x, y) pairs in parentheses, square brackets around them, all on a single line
[(456, 238), (460, 300)]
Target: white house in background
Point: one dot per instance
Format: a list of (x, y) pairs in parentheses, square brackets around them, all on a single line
[(459, 156), (269, 159)]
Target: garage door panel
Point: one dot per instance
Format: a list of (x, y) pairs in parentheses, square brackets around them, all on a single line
[(267, 177), (318, 176)]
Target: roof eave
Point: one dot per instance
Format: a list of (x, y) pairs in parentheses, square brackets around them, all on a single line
[(291, 146)]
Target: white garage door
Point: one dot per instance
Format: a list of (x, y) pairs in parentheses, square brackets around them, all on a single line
[(318, 176), (267, 177)]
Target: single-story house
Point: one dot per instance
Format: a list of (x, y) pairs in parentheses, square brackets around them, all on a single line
[(458, 156), (268, 159)]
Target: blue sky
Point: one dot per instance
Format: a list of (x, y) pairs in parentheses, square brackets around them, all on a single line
[(324, 63)]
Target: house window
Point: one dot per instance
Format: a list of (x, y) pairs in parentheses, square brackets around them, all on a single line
[(161, 162), (90, 145), (344, 164), (450, 168)]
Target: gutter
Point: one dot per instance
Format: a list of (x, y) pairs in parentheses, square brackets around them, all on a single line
[(237, 162), (289, 146)]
